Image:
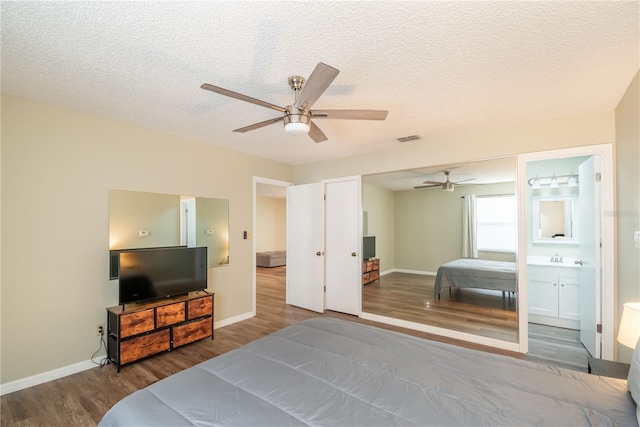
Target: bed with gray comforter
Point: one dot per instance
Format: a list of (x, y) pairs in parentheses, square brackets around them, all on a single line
[(329, 372), (476, 273)]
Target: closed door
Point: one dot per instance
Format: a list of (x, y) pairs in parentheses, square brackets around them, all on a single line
[(305, 246), (342, 246)]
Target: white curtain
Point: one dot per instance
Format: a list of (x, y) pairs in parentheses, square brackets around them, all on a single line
[(469, 241)]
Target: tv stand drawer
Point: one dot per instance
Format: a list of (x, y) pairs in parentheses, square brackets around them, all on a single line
[(136, 323), (170, 314), (192, 331), (144, 346)]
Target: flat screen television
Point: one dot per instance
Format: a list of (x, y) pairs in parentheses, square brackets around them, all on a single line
[(161, 273), (368, 247)]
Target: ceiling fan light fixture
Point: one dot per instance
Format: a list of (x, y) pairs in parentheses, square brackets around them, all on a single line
[(296, 128), (448, 186), (296, 122)]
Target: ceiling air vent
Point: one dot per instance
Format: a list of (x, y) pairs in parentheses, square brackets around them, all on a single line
[(409, 138)]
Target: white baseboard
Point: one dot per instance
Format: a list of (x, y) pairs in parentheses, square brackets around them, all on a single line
[(44, 377), (449, 333), (234, 319), (420, 272), (55, 374)]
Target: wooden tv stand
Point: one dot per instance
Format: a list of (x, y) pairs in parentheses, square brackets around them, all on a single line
[(370, 270), (142, 330)]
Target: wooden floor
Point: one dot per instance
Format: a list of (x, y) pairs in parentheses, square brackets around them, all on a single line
[(82, 399), (475, 311)]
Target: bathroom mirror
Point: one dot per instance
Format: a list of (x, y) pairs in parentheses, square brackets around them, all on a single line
[(145, 220), (554, 219)]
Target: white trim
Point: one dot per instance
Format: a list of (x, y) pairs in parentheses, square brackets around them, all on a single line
[(235, 319), (44, 377), (449, 333), (420, 272)]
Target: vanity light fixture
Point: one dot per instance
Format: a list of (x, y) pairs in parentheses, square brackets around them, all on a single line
[(553, 181), (535, 184)]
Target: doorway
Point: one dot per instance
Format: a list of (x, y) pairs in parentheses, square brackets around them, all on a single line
[(567, 274), (268, 220)]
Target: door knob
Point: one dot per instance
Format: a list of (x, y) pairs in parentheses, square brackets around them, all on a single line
[(319, 253), (354, 254), (578, 261)]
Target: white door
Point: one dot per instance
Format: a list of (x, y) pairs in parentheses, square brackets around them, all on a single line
[(305, 238), (589, 235), (343, 265)]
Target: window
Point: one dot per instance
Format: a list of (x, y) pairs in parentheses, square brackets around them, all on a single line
[(496, 223)]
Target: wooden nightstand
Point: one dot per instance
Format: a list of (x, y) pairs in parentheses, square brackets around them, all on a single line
[(607, 368)]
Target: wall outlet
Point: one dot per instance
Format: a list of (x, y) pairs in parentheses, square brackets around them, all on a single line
[(100, 329)]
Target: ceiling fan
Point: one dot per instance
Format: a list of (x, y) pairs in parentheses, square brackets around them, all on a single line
[(297, 116), (446, 185)]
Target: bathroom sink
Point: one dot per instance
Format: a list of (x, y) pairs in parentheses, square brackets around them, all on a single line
[(546, 260)]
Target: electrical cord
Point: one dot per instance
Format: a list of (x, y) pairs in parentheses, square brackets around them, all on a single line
[(105, 360)]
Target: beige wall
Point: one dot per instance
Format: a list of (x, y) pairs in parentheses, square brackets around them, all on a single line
[(428, 226), (562, 133), (271, 224), (57, 168), (380, 207), (627, 153)]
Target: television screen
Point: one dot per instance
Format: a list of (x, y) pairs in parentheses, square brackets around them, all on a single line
[(368, 247), (161, 273)]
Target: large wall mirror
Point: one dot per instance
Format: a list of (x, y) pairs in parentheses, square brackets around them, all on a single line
[(145, 220), (418, 221), (554, 219)]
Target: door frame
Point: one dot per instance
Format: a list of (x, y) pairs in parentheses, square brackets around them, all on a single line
[(268, 181), (608, 241)]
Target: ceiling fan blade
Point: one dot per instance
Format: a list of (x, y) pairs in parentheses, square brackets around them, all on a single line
[(259, 125), (428, 186), (350, 114), (434, 182), (241, 97), (316, 84), (316, 134), (464, 180)]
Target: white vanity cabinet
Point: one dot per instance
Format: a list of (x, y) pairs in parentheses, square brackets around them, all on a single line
[(554, 295)]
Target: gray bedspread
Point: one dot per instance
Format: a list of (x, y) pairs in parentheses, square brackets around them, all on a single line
[(328, 372), (476, 273)]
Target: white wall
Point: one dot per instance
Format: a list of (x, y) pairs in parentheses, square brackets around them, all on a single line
[(57, 168)]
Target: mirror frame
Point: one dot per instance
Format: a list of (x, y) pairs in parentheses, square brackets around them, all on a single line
[(535, 220)]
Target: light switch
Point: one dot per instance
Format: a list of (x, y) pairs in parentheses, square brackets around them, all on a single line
[(636, 239), (209, 232), (143, 233)]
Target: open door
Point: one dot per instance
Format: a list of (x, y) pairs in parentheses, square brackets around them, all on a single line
[(590, 255), (305, 246)]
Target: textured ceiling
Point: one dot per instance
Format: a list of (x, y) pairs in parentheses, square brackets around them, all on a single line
[(438, 67)]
